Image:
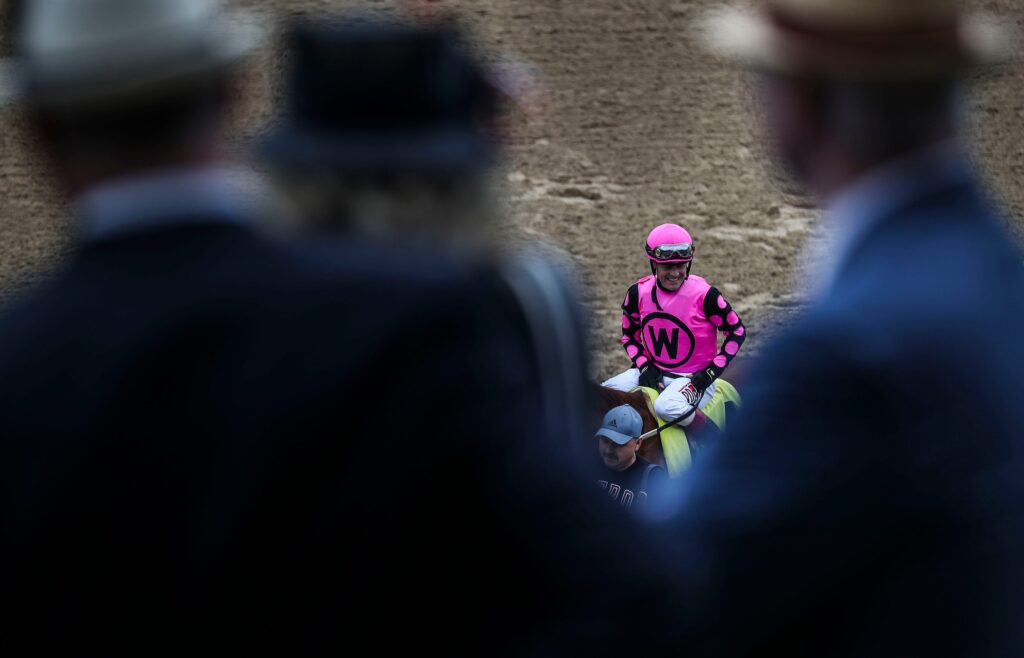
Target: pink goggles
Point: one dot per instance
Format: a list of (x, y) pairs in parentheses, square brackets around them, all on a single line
[(682, 252)]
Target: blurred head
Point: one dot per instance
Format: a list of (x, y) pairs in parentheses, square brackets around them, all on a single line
[(618, 437), (113, 85), (416, 207), (849, 83), (826, 132), (388, 130)]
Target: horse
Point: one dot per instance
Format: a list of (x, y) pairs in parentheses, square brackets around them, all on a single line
[(610, 398), (699, 433)]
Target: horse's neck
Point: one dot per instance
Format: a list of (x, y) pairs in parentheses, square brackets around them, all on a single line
[(652, 452)]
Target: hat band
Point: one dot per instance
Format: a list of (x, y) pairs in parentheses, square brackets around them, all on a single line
[(911, 39)]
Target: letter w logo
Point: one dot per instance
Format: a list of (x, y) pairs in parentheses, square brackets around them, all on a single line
[(661, 341)]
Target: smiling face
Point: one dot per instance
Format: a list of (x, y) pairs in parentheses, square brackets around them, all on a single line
[(671, 276)]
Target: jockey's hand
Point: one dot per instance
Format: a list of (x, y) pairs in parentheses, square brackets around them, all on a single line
[(691, 394), (701, 381), (650, 376)]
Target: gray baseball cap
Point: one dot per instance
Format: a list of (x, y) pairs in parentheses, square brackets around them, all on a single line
[(621, 425)]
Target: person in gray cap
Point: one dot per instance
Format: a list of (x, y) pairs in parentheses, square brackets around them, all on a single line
[(850, 511), (628, 478)]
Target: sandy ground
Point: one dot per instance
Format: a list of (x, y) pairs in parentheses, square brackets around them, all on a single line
[(640, 127)]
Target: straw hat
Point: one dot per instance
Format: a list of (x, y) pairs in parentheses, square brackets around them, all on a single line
[(81, 52), (857, 38)]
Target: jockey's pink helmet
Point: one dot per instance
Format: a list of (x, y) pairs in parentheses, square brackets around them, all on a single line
[(669, 243)]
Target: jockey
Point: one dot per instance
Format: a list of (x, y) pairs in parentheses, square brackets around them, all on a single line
[(670, 326)]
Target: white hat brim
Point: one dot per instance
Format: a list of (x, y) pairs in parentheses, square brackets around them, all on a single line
[(749, 38), (230, 40)]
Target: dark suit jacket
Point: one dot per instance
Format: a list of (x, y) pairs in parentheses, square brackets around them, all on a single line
[(870, 500), (212, 441)]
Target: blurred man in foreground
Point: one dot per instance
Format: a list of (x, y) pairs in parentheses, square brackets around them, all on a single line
[(211, 441), (869, 500), (390, 135)]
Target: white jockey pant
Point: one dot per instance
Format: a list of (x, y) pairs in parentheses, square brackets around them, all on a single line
[(670, 403)]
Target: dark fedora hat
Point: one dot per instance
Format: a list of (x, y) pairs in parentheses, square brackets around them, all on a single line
[(369, 95)]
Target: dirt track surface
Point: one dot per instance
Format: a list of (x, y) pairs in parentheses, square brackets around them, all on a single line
[(640, 127)]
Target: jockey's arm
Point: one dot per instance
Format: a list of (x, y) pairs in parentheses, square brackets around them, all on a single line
[(631, 339), (720, 313)]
